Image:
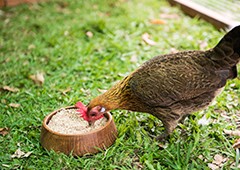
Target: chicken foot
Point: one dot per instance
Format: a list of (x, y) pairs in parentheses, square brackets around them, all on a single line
[(170, 125)]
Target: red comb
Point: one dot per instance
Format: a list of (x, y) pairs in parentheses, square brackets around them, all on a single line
[(82, 109)]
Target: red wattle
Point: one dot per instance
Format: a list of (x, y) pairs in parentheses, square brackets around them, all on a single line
[(82, 109)]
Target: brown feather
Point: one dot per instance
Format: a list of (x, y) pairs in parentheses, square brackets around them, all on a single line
[(174, 85)]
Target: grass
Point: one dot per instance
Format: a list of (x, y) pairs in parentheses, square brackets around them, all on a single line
[(50, 38)]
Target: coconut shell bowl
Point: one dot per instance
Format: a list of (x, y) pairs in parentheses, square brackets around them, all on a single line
[(78, 144)]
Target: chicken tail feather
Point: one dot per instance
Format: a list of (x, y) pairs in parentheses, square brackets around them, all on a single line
[(228, 47), (227, 52)]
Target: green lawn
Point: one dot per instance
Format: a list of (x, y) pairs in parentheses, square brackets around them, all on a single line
[(50, 38)]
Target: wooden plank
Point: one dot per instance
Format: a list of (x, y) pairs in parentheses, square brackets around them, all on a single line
[(193, 9), (4, 3)]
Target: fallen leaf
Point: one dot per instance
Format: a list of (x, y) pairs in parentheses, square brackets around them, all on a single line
[(95, 6), (63, 4), (200, 157), (25, 63), (4, 131), (213, 166), (15, 105), (27, 154), (203, 121), (11, 89), (102, 90), (218, 162), (4, 101), (66, 33), (136, 163), (66, 90), (157, 21), (225, 116), (89, 34), (31, 46), (236, 144), (234, 166), (5, 165), (218, 159), (232, 132), (20, 154), (37, 78), (86, 91), (6, 60), (169, 16), (6, 21), (162, 146), (173, 50), (146, 38), (134, 59), (203, 45), (62, 10), (232, 85)]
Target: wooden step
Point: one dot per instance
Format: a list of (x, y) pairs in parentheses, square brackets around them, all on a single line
[(221, 13)]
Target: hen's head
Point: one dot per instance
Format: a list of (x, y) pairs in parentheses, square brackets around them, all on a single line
[(90, 114)]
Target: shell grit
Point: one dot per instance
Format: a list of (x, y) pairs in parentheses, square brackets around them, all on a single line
[(69, 121)]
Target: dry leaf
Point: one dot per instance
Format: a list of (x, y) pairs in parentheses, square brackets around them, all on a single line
[(102, 90), (5, 165), (162, 146), (203, 121), (25, 63), (136, 163), (17, 154), (11, 89), (218, 159), (157, 21), (218, 162), (86, 92), (4, 131), (200, 157), (20, 154), (6, 60), (15, 105), (232, 132), (66, 33), (37, 78), (169, 16), (89, 34), (27, 154), (4, 101), (134, 58), (95, 6), (225, 116), (31, 46), (213, 166), (146, 38), (173, 50), (66, 90), (63, 4), (203, 45), (236, 144)]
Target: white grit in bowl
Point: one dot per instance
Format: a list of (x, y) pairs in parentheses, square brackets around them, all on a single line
[(69, 121)]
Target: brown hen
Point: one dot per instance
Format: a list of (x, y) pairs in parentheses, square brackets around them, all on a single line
[(172, 86)]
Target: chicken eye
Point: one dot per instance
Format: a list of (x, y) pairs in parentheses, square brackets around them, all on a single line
[(103, 109), (93, 114)]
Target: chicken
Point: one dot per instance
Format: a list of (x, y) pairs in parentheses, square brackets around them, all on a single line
[(172, 86)]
